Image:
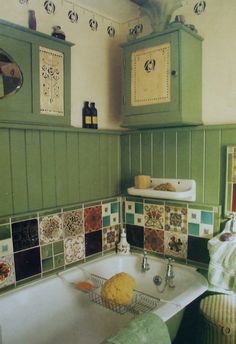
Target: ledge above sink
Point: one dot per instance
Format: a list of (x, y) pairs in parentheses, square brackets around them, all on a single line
[(185, 189)]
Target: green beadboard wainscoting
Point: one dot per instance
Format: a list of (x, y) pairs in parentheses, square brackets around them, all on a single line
[(197, 153), (43, 167)]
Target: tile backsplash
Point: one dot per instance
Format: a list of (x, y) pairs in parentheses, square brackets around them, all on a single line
[(176, 229), (34, 247)]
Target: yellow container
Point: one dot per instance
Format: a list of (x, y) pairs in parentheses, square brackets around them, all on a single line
[(142, 182)]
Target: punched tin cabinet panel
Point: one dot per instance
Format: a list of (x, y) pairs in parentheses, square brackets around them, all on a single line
[(150, 75), (162, 79)]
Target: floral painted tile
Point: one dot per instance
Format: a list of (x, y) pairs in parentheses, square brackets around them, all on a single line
[(50, 228), (154, 240), (7, 271), (74, 249), (73, 223), (154, 216), (92, 219), (175, 244), (110, 237), (176, 219)]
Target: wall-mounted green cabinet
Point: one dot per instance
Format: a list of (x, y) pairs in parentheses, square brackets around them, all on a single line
[(162, 79), (45, 63)]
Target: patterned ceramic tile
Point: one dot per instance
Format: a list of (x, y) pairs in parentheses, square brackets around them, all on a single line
[(130, 207), (92, 219), (206, 231), (135, 235), (114, 220), (73, 223), (110, 237), (27, 263), (176, 219), (6, 247), (154, 240), (50, 229), (154, 216), (25, 234), (7, 271), (106, 209), (74, 249), (139, 219), (93, 243), (201, 223), (175, 244), (194, 215)]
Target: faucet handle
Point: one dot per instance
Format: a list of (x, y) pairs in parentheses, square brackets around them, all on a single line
[(170, 260)]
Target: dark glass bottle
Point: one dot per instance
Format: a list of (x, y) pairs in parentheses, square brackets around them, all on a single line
[(94, 115), (87, 118), (32, 20), (58, 33)]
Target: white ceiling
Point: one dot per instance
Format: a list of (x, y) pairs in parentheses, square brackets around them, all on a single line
[(119, 10)]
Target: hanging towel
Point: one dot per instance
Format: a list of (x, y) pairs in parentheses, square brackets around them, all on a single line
[(222, 266), (147, 328)]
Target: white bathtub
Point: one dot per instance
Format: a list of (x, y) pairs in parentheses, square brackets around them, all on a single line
[(52, 311)]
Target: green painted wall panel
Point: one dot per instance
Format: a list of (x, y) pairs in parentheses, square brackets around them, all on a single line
[(72, 155), (61, 168), (126, 179), (6, 201), (114, 169), (183, 154), (19, 171), (48, 169), (198, 162), (170, 154), (104, 165), (135, 154), (212, 167), (33, 165), (158, 154), (146, 153)]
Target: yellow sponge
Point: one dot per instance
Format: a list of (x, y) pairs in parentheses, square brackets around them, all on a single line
[(119, 288)]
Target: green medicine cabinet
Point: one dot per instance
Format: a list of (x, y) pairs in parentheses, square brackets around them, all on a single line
[(162, 79), (43, 96)]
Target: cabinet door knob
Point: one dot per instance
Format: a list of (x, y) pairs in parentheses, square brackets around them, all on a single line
[(174, 73)]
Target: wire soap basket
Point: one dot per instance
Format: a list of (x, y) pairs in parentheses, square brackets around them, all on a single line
[(140, 303)]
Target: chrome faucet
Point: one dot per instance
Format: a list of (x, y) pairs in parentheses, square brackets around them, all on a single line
[(145, 264), (170, 273), (232, 227)]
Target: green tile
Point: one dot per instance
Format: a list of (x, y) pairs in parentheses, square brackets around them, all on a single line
[(106, 221), (207, 217), (200, 207), (47, 264), (193, 229), (130, 219), (5, 232), (152, 201), (59, 260), (46, 251), (58, 247), (138, 208), (115, 207)]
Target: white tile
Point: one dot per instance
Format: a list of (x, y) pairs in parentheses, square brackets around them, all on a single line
[(139, 219), (194, 216), (106, 209), (129, 207), (206, 231)]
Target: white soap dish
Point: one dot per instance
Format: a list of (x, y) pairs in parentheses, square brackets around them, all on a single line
[(185, 189)]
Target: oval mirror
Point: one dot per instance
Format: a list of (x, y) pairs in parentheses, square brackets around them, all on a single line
[(11, 78)]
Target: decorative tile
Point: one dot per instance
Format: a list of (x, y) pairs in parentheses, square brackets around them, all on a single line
[(194, 216), (154, 240), (25, 234), (74, 249), (139, 219), (197, 249), (206, 231), (175, 244), (7, 271), (110, 237), (135, 236), (114, 219), (93, 243), (27, 263), (201, 222), (6, 247), (73, 223), (50, 229), (92, 219), (129, 207), (5, 232), (154, 216), (176, 219), (106, 209)]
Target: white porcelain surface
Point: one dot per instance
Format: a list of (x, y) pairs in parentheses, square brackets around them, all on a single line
[(53, 311)]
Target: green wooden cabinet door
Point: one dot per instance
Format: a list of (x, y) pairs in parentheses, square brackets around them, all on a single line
[(162, 80), (25, 47)]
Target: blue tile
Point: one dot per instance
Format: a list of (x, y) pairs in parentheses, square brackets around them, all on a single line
[(193, 229), (106, 221), (130, 219), (114, 207), (138, 208), (207, 217)]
